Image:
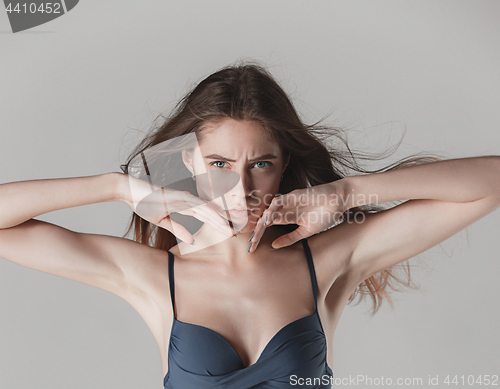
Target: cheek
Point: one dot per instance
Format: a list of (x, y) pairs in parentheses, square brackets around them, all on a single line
[(268, 181), (199, 166)]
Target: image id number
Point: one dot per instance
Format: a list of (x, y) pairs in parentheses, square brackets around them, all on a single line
[(50, 8)]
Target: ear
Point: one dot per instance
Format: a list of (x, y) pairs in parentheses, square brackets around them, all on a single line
[(187, 157)]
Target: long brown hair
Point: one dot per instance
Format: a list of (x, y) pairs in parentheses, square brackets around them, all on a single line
[(248, 91)]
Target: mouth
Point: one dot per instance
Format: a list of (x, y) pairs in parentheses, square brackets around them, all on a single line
[(239, 212)]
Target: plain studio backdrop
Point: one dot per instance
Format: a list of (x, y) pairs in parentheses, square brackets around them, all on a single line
[(79, 92)]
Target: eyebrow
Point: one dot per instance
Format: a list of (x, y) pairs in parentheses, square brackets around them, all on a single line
[(221, 158)]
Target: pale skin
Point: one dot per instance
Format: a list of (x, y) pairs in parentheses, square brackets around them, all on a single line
[(247, 298)]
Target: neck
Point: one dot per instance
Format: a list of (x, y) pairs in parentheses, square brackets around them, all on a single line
[(231, 250)]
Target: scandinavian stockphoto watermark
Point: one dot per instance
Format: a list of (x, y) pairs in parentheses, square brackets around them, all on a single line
[(312, 208), (24, 15)]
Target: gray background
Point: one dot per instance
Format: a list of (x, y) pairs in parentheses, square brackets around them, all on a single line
[(79, 92)]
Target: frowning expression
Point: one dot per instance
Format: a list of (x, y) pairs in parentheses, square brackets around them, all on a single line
[(242, 147)]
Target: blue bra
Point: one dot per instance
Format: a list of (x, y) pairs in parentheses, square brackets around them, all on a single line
[(200, 358)]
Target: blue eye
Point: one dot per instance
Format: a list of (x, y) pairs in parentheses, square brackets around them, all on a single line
[(213, 163), (268, 163)]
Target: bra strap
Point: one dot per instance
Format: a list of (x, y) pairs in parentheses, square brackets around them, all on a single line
[(311, 270), (171, 279)]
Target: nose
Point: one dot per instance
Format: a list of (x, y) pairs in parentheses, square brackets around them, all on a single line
[(244, 187)]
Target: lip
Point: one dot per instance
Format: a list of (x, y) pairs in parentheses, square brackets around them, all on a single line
[(239, 213)]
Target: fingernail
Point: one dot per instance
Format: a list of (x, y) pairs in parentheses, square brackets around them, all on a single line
[(249, 247), (251, 236), (234, 236), (194, 242), (265, 221), (238, 231)]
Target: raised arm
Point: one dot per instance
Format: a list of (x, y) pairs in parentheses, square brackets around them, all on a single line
[(444, 198), (106, 262)]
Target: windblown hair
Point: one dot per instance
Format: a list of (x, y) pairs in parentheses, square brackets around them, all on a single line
[(248, 91)]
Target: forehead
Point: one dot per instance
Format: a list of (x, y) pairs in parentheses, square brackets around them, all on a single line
[(237, 137)]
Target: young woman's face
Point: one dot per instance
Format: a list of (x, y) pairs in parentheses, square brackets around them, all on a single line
[(241, 147)]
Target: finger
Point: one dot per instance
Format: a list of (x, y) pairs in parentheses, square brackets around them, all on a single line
[(258, 232), (207, 214), (205, 217), (277, 205), (203, 207), (211, 211), (180, 231), (290, 238), (216, 219)]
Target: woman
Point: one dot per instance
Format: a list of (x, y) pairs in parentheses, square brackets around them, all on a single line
[(241, 196)]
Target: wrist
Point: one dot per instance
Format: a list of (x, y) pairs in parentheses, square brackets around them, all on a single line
[(346, 191), (120, 187)]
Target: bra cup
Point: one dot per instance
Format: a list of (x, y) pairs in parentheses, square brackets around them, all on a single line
[(198, 350)]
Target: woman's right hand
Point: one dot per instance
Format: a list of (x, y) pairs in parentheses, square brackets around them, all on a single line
[(155, 204)]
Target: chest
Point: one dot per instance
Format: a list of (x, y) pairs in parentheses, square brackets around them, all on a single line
[(246, 307)]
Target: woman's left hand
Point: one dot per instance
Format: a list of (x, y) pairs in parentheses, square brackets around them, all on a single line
[(314, 209)]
